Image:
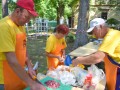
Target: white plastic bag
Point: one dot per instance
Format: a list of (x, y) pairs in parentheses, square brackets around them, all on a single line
[(67, 78), (97, 74), (53, 74), (80, 75)]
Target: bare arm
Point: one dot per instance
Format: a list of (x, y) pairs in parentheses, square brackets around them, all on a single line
[(54, 56), (90, 59), (31, 72), (51, 55), (12, 61), (28, 61)]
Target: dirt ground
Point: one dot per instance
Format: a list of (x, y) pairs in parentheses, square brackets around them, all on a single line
[(36, 51)]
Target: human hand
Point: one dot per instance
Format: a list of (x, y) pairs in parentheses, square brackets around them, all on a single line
[(64, 56), (75, 62), (37, 86), (61, 59), (32, 73)]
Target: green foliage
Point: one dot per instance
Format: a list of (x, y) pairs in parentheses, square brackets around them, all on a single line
[(45, 9), (68, 11), (48, 8), (50, 13), (0, 11), (11, 5), (70, 37), (31, 31), (112, 21), (117, 8), (73, 3)]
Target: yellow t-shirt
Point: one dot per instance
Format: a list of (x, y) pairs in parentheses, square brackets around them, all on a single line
[(51, 43), (8, 36), (111, 44), (8, 31)]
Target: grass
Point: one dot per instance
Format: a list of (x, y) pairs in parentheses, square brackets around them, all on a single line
[(36, 51)]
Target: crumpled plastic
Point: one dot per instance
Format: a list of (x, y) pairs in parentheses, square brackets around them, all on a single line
[(77, 76), (53, 74), (97, 74), (80, 75), (67, 78)]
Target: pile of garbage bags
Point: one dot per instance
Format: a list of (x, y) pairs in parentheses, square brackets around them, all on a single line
[(77, 76)]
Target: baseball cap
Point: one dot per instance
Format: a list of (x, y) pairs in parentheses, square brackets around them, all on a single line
[(95, 22), (28, 5)]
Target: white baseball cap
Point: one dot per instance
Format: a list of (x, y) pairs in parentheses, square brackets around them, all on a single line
[(95, 22)]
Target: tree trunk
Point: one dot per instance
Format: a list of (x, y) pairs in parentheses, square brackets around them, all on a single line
[(60, 12), (81, 34), (72, 19), (58, 17), (4, 8)]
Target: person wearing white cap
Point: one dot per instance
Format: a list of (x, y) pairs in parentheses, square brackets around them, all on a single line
[(109, 51)]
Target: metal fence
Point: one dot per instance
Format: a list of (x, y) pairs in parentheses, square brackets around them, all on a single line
[(39, 27)]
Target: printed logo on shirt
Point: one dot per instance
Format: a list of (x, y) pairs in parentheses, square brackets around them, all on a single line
[(63, 43), (24, 43)]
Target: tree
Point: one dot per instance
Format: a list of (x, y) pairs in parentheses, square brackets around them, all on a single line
[(4, 8), (54, 9), (60, 6), (74, 5), (81, 35)]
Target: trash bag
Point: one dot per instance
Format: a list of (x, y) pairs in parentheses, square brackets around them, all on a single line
[(68, 60)]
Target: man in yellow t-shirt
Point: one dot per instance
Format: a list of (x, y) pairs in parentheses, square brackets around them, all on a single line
[(109, 51), (55, 47), (13, 55)]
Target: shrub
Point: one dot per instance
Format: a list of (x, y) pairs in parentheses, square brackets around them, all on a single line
[(70, 37)]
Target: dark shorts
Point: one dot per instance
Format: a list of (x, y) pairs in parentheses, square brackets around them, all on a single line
[(1, 86)]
